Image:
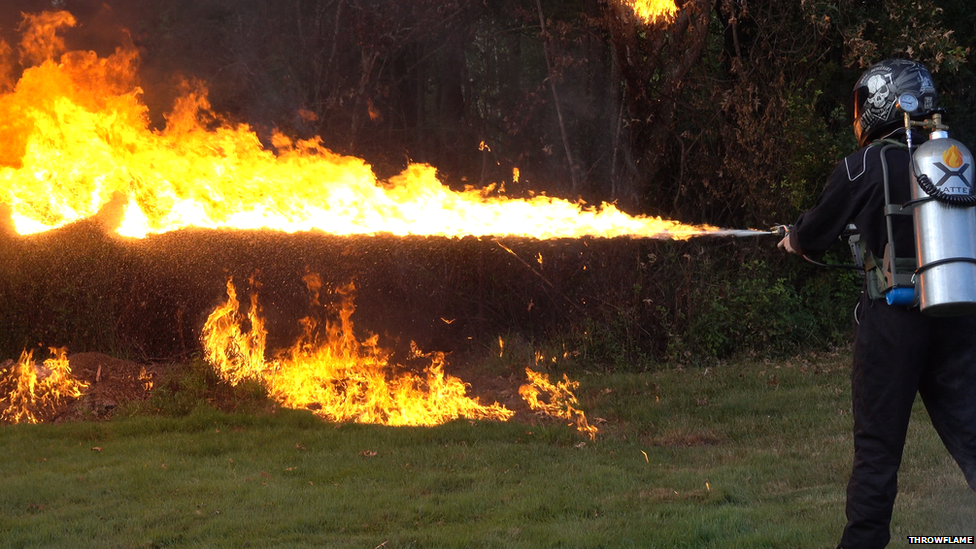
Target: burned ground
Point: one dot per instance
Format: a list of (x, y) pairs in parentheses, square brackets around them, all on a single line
[(111, 382)]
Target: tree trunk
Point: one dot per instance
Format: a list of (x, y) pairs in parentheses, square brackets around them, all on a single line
[(574, 191)]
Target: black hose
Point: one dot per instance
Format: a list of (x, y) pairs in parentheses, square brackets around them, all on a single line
[(958, 200), (784, 230)]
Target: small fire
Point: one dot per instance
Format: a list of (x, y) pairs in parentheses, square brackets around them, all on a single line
[(559, 400), (338, 377), (952, 157), (652, 11), (74, 136), (30, 392)]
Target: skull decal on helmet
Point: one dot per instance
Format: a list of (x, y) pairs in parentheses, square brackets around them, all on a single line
[(879, 90)]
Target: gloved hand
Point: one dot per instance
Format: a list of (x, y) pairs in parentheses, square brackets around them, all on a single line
[(786, 246)]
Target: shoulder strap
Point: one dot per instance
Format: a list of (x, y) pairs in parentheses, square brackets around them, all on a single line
[(892, 142), (898, 270)]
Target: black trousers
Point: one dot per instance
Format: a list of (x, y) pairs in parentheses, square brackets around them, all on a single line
[(899, 352)]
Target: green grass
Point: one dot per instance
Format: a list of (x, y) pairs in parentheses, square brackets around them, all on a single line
[(746, 455)]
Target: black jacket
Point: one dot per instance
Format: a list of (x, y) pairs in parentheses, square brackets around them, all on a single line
[(855, 194)]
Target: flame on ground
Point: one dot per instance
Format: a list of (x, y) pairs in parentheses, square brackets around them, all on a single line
[(558, 400), (74, 136), (30, 392), (343, 379), (338, 377)]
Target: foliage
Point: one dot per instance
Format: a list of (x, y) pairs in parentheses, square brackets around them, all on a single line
[(694, 305), (616, 304), (772, 310)]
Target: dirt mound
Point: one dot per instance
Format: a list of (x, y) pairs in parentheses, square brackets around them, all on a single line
[(111, 382)]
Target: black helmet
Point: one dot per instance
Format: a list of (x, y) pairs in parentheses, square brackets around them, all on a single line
[(877, 91)]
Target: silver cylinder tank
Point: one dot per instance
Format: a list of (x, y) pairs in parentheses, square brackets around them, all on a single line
[(945, 236)]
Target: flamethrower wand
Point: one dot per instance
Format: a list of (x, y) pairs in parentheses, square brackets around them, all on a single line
[(853, 241), (850, 234)]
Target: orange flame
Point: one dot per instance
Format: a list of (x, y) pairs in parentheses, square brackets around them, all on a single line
[(652, 11), (952, 157), (30, 392), (339, 378), (40, 40), (558, 400), (74, 136)]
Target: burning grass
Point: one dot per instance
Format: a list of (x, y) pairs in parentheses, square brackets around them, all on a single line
[(742, 455), (341, 378), (65, 388), (31, 392)]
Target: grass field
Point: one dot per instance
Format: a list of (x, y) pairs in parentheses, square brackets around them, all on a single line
[(742, 455)]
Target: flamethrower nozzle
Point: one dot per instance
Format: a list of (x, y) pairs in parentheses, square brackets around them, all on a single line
[(780, 230)]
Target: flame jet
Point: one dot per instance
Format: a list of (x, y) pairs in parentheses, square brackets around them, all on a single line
[(74, 137)]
